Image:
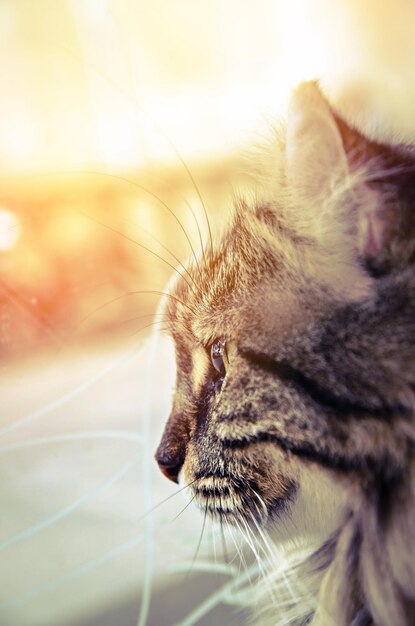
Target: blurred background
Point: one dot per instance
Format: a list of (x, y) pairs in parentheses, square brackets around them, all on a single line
[(121, 132), (123, 129), (105, 106)]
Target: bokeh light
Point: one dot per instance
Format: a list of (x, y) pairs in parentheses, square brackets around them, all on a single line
[(9, 229)]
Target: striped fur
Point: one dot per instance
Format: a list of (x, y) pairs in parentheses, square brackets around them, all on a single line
[(309, 437)]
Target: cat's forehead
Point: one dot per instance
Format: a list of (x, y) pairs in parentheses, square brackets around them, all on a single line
[(231, 277)]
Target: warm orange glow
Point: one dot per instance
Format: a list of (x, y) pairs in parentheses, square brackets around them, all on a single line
[(126, 81), (9, 230), (108, 102)]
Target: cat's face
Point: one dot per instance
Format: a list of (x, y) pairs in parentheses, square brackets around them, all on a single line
[(236, 328), (282, 393)]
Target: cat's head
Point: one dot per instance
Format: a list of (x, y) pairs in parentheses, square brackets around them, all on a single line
[(294, 334)]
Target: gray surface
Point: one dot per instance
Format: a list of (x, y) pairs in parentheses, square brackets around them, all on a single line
[(171, 605), (74, 546)]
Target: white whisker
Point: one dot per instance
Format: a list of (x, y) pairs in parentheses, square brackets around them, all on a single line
[(74, 436), (70, 508), (71, 395)]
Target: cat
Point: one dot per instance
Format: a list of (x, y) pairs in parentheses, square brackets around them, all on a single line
[(294, 333)]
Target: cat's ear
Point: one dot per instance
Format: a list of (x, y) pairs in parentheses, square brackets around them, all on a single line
[(352, 192), (315, 155)]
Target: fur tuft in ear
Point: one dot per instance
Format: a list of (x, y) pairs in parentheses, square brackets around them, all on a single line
[(316, 159), (385, 193), (354, 196)]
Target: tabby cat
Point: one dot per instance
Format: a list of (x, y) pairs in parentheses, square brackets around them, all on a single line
[(294, 406)]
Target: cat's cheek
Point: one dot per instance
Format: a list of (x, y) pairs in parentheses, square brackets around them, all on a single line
[(319, 507)]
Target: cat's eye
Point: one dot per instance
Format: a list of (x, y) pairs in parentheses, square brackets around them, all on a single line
[(219, 356)]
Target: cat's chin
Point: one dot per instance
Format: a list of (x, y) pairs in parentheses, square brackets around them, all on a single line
[(234, 500), (305, 513), (317, 511), (223, 499)]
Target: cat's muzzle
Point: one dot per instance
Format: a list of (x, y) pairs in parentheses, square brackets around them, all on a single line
[(228, 498)]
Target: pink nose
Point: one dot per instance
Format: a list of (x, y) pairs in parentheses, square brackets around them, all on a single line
[(170, 456), (170, 471)]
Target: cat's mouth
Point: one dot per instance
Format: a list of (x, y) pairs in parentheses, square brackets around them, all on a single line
[(231, 499), (223, 499)]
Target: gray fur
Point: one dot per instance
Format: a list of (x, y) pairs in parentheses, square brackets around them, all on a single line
[(314, 291)]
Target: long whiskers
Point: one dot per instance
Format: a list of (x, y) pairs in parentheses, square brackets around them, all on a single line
[(223, 539), (187, 203), (39, 318), (162, 245), (200, 540), (238, 548), (138, 318), (153, 324), (70, 508), (133, 293), (140, 245), (150, 193), (184, 509), (159, 504), (298, 591), (156, 125), (261, 501)]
